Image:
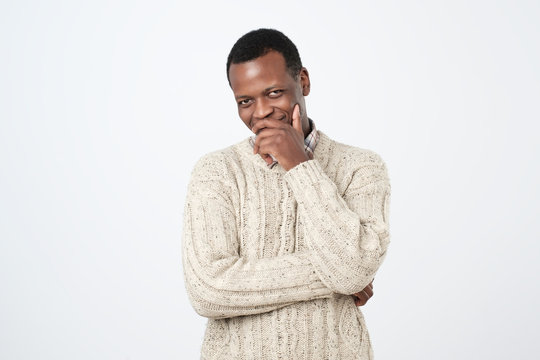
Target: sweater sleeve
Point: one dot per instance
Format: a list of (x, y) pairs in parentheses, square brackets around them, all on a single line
[(349, 234), (220, 283)]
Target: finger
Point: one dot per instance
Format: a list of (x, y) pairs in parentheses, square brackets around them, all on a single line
[(265, 147), (368, 291), (368, 288), (296, 121), (364, 295), (370, 285), (266, 123), (267, 158), (265, 133), (360, 295), (360, 301), (269, 145)]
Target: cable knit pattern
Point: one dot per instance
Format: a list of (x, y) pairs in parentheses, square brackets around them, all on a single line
[(271, 257)]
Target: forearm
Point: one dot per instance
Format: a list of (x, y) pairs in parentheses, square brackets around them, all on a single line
[(222, 284), (349, 235), (239, 292)]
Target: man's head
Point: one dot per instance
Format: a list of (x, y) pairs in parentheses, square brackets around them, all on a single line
[(257, 43), (267, 78)]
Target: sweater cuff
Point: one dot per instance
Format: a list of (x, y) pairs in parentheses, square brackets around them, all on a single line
[(304, 174)]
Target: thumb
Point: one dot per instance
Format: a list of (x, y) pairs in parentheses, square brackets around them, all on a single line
[(296, 121)]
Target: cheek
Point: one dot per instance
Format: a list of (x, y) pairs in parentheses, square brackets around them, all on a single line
[(245, 115), (285, 103)]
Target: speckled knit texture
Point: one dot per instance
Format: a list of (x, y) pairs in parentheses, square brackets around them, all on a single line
[(272, 257)]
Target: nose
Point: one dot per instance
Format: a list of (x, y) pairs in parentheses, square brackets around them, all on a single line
[(262, 109)]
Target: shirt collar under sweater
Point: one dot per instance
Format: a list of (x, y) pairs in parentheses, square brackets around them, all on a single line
[(310, 142)]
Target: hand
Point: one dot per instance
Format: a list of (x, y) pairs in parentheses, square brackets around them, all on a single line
[(283, 141), (362, 297)]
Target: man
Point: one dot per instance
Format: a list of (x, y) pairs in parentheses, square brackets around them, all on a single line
[(284, 231)]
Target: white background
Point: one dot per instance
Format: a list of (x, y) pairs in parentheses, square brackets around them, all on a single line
[(106, 105)]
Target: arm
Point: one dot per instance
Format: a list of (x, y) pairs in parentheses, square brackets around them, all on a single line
[(349, 235), (219, 282)]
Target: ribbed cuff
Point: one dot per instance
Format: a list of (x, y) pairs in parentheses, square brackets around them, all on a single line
[(304, 174)]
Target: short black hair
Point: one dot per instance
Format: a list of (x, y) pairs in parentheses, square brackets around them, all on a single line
[(257, 43)]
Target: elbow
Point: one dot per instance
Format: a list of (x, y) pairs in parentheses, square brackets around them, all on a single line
[(210, 312), (362, 280), (208, 303), (363, 268), (201, 295), (357, 277), (205, 308)]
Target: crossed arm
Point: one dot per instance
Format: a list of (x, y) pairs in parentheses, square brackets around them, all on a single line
[(346, 236)]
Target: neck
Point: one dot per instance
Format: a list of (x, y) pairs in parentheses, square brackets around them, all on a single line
[(308, 129)]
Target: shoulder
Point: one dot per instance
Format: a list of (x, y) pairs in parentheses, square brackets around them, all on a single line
[(219, 164), (358, 155), (354, 160)]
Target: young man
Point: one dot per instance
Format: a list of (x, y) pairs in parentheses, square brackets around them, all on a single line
[(284, 231)]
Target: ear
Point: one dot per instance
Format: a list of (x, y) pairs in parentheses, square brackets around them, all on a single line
[(305, 82)]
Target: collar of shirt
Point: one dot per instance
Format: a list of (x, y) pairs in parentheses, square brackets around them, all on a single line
[(310, 142)]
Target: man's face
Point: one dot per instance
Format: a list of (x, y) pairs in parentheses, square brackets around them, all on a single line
[(263, 88)]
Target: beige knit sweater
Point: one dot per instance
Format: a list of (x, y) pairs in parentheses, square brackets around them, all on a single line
[(271, 256)]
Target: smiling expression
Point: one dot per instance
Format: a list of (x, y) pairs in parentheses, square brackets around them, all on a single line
[(263, 88)]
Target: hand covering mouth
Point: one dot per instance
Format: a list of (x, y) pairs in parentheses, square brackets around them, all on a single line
[(278, 119)]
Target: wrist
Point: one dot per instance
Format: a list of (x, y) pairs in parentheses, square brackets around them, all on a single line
[(296, 162)]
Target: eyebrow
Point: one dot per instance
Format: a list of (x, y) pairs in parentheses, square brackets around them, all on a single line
[(265, 90)]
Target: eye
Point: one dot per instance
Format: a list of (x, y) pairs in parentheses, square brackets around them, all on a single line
[(244, 102), (275, 93)]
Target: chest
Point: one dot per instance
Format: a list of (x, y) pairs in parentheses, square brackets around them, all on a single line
[(269, 222), (267, 217)]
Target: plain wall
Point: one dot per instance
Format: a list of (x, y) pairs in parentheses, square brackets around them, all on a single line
[(106, 105)]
